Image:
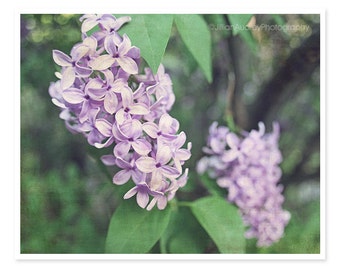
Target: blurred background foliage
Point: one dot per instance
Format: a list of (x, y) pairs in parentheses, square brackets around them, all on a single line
[(67, 199)]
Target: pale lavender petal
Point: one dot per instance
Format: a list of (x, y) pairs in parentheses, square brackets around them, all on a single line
[(121, 149), (121, 177), (111, 102), (131, 129), (108, 160), (182, 180), (88, 24), (183, 154), (169, 171), (131, 193), (142, 198), (151, 129), (141, 146), (96, 94), (91, 43), (127, 97), (68, 77), (134, 52), (137, 176), (151, 204), (166, 123), (230, 155), (146, 164), (83, 71), (104, 127), (156, 179), (102, 62), (73, 95), (122, 117), (163, 155), (232, 140), (123, 164), (61, 58), (124, 46), (79, 51), (139, 109), (161, 202), (120, 21), (110, 45), (107, 143), (128, 64), (117, 134), (83, 115)]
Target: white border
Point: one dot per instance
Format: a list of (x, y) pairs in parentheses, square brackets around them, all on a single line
[(214, 6)]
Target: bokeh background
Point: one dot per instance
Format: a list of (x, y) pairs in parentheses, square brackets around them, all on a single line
[(67, 198)]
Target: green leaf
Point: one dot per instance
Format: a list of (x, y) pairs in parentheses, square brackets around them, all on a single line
[(239, 26), (150, 33), (135, 230), (238, 22), (212, 186), (196, 37), (222, 222), (183, 234)]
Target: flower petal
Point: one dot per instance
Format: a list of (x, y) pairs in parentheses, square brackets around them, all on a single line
[(169, 171), (73, 95), (110, 45), (68, 77), (230, 155), (163, 155), (139, 109), (108, 160), (111, 102), (128, 64), (232, 140), (104, 127), (124, 46), (123, 164), (142, 198), (61, 58), (102, 62), (151, 129), (146, 164), (121, 177), (130, 193), (141, 146), (121, 149)]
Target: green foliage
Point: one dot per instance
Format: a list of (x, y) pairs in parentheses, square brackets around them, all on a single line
[(222, 222), (56, 214), (135, 230), (196, 36), (184, 234), (239, 26), (151, 33), (212, 186)]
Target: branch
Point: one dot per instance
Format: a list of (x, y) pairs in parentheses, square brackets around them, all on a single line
[(295, 71)]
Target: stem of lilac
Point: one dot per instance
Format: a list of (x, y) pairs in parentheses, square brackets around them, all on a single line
[(228, 114)]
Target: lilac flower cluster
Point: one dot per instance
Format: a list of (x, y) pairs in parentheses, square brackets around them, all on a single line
[(248, 167), (102, 96)]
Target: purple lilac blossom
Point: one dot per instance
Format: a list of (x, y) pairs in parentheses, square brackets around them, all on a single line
[(102, 95), (247, 167)]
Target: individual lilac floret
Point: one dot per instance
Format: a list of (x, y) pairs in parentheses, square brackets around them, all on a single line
[(248, 167), (103, 96)]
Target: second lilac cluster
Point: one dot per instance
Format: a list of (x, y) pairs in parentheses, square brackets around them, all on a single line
[(248, 167), (103, 96)]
